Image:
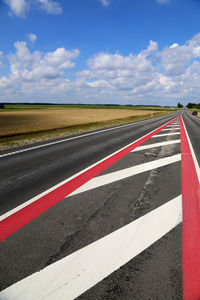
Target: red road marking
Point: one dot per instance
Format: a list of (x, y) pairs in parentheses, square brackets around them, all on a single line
[(191, 222), (22, 217)]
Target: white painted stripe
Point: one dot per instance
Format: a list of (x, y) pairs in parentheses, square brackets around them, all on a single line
[(173, 126), (193, 153), (170, 129), (165, 134), (71, 276), (75, 137), (125, 173), (7, 214), (156, 145)]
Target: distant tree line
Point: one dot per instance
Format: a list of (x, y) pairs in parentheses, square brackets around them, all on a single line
[(189, 105), (193, 105), (82, 104)]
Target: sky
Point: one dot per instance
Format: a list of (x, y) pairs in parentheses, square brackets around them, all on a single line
[(100, 51)]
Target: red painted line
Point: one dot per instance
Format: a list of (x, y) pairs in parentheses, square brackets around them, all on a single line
[(191, 222), (22, 217)]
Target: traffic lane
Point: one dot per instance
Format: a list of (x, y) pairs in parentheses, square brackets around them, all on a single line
[(193, 128), (30, 173), (82, 219), (29, 178), (156, 273)]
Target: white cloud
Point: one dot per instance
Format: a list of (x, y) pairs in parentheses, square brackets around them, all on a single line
[(105, 2), (32, 37), (176, 58), (18, 7), (152, 76), (50, 6), (27, 66), (21, 7), (174, 45)]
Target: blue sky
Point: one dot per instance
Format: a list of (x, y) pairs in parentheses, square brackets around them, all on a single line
[(100, 51)]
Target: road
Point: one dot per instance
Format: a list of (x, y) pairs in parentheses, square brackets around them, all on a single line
[(104, 220)]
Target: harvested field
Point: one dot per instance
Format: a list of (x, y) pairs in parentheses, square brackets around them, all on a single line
[(30, 121)]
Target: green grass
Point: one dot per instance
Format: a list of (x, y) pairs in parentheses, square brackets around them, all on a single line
[(192, 109)]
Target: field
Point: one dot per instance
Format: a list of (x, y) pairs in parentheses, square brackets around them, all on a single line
[(25, 124)]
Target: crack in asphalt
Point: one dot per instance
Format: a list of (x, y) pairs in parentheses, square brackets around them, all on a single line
[(144, 200), (137, 207), (68, 240)]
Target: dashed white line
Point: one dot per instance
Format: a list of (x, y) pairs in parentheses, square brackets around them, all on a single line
[(125, 173), (71, 276), (156, 145)]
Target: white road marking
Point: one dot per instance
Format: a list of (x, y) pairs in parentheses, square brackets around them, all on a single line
[(165, 134), (156, 145), (193, 153), (73, 138), (7, 214), (71, 276), (170, 129), (125, 173)]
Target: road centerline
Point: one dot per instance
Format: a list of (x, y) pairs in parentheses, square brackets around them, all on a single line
[(191, 218)]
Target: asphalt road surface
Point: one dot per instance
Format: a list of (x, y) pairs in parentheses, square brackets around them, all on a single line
[(104, 217)]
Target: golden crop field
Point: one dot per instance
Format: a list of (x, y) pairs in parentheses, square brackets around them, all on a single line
[(28, 121)]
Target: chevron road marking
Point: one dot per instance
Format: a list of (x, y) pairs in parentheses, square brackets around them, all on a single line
[(125, 173), (165, 134), (71, 276), (18, 217), (156, 145)]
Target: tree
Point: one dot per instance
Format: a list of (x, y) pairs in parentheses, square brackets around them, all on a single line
[(190, 105), (179, 105)]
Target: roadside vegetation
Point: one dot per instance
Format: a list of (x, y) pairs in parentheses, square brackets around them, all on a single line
[(194, 106), (24, 124)]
